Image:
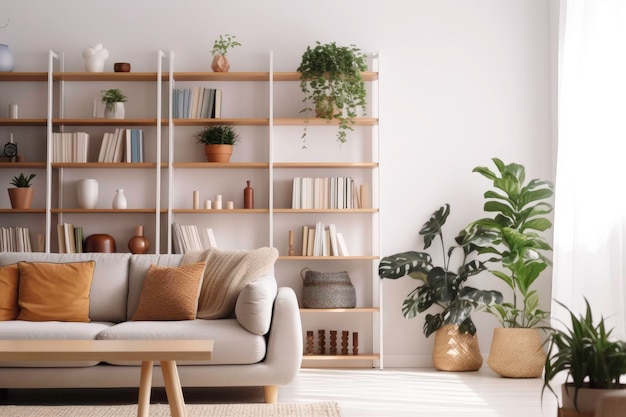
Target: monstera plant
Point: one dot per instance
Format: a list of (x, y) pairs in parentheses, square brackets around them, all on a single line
[(444, 289)]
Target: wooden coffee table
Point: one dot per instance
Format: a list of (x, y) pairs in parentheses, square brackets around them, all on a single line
[(167, 352)]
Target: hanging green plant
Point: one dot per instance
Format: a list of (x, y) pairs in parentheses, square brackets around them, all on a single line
[(330, 78)]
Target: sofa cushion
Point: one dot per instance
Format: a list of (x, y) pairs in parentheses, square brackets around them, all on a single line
[(109, 287), (254, 305), (55, 291), (50, 330), (170, 293), (226, 273), (9, 283), (233, 345), (137, 270)]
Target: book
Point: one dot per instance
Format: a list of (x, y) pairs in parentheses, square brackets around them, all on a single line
[(211, 243), (343, 249), (127, 145), (305, 240), (61, 238), (365, 196), (103, 147), (310, 244), (217, 106), (334, 249)]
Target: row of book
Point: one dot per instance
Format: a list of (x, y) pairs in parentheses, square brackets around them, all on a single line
[(15, 239), (70, 146), (328, 193), (197, 103), (187, 238), (123, 145), (70, 238), (322, 240)]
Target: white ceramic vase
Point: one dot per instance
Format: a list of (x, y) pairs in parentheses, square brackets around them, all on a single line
[(95, 56), (7, 62), (119, 201), (87, 193), (114, 110)]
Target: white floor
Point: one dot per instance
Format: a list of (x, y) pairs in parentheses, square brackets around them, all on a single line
[(422, 392), (360, 393)]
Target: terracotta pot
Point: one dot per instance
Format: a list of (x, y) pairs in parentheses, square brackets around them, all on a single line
[(218, 153), (220, 63), (588, 398), (516, 353), (455, 351), (21, 197)]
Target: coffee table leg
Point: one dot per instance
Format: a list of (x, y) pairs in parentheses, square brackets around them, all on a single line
[(145, 386), (173, 389)]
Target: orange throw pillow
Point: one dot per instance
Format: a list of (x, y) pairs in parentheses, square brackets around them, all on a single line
[(170, 293), (9, 284), (55, 291)]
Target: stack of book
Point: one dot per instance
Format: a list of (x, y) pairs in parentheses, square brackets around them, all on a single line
[(328, 193), (15, 239), (70, 146), (70, 238), (197, 103), (123, 145), (187, 238), (322, 240)]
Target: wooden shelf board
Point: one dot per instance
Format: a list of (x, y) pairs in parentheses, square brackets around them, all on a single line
[(23, 122), (325, 165), (220, 165), (104, 165), (341, 310), (20, 165), (316, 121), (334, 211), (23, 76), (219, 76), (104, 76), (327, 258), (224, 211), (31, 210), (258, 121), (358, 357), (295, 76), (103, 210), (105, 122)]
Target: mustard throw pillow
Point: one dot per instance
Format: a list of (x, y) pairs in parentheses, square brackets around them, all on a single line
[(170, 293), (55, 291), (9, 282)]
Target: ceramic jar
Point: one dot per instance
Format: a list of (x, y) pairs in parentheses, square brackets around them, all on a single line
[(248, 196), (138, 243), (7, 62), (119, 201), (87, 193)]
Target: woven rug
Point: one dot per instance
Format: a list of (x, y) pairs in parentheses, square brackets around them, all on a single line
[(320, 409)]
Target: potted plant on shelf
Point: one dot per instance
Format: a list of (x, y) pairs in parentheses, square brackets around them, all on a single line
[(22, 195), (594, 363), (330, 78), (516, 253), (218, 142), (445, 289), (220, 49), (113, 100)]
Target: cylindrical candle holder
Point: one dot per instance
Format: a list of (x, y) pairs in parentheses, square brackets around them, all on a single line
[(13, 110), (230, 204), (207, 204), (196, 200)]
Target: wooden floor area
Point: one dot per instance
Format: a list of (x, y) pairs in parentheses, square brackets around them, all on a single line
[(360, 393)]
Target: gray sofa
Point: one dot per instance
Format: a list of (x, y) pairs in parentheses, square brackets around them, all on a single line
[(240, 357)]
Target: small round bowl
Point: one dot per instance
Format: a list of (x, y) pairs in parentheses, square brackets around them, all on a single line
[(121, 67)]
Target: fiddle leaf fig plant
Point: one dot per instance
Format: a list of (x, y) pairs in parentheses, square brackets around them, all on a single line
[(512, 240), (440, 286), (330, 78)]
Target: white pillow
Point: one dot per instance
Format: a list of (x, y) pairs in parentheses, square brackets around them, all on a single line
[(255, 303)]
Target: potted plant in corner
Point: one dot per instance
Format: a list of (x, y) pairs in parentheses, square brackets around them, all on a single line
[(594, 363), (330, 78), (113, 100), (218, 142), (22, 195), (220, 49), (516, 256), (445, 289)]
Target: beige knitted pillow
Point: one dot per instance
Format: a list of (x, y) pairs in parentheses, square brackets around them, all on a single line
[(170, 293), (226, 273)]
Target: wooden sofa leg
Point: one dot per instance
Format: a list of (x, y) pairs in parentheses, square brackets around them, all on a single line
[(270, 392)]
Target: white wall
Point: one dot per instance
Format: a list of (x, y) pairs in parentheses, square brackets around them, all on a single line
[(461, 82)]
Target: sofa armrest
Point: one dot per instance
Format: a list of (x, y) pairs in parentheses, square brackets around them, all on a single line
[(284, 345)]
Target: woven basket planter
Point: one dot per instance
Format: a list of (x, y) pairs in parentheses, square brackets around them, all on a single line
[(327, 290), (516, 353), (454, 351)]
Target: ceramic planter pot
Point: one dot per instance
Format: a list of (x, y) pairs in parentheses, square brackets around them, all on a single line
[(220, 63), (454, 351), (114, 110), (218, 153), (516, 353), (588, 399), (21, 197)]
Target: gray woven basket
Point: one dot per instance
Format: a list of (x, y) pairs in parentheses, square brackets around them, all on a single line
[(327, 290)]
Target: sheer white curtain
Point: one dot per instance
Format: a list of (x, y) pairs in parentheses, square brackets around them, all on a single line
[(590, 198)]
